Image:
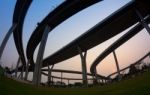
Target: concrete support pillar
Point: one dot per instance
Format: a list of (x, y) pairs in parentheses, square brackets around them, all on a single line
[(68, 82), (49, 81), (99, 80), (84, 69), (95, 77), (22, 72), (19, 75), (142, 21), (38, 65), (4, 42), (50, 73), (16, 70), (102, 80), (52, 80), (117, 65), (27, 72)]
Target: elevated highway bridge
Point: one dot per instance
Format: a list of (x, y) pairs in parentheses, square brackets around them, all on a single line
[(136, 12)]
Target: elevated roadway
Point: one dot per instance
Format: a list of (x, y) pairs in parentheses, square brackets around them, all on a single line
[(72, 72), (136, 29), (136, 63), (53, 19), (104, 30), (20, 12), (66, 78)]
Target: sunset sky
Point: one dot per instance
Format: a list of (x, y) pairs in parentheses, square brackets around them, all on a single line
[(70, 29)]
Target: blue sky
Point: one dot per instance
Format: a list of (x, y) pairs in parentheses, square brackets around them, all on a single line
[(69, 30)]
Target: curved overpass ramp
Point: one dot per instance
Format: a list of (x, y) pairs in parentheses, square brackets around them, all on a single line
[(60, 14), (20, 11), (137, 62), (118, 43), (104, 30), (72, 72)]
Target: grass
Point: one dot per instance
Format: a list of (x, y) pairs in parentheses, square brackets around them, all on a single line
[(139, 85)]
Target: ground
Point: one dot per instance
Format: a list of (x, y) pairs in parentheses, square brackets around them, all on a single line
[(139, 85)]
